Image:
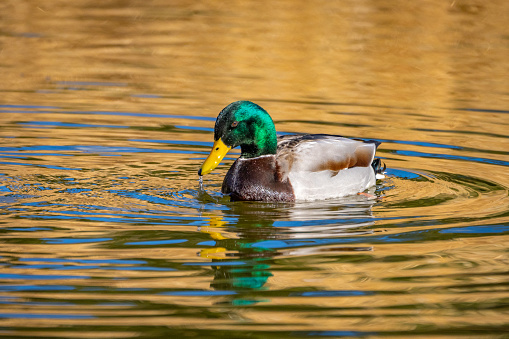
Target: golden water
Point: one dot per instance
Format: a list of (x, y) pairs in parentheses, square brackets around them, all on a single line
[(107, 111)]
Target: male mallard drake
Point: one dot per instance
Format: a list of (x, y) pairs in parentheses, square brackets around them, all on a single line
[(287, 168)]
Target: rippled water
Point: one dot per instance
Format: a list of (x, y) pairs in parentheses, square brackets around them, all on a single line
[(107, 111)]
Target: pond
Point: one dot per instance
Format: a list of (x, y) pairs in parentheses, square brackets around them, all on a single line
[(107, 111)]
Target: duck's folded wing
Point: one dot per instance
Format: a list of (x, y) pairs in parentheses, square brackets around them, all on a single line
[(319, 152)]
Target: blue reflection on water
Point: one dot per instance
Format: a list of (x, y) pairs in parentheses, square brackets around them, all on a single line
[(484, 229), (40, 276), (74, 240), (88, 149), (45, 316), (157, 242), (332, 293), (91, 267), (402, 173), (36, 288), (452, 157), (66, 124)]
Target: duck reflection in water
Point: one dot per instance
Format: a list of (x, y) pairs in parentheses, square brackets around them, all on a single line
[(250, 236)]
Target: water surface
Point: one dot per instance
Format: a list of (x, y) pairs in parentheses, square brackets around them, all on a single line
[(107, 111)]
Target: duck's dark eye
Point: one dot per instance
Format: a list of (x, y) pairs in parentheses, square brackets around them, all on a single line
[(234, 124)]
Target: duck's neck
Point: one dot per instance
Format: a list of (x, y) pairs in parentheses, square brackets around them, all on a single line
[(264, 141)]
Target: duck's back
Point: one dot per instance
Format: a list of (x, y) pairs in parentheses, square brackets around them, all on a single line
[(321, 166)]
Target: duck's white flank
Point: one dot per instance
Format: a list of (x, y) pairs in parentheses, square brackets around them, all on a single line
[(330, 184)]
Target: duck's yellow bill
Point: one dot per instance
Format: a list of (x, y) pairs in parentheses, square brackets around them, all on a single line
[(217, 154)]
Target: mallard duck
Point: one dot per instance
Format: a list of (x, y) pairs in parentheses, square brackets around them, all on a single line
[(289, 167)]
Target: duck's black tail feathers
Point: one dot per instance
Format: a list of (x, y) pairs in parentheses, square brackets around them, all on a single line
[(378, 166)]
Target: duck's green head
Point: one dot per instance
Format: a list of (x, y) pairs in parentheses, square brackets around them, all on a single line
[(244, 124)]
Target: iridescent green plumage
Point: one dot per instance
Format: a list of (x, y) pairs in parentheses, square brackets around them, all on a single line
[(249, 126)]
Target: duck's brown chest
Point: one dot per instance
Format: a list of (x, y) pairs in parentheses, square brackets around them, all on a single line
[(255, 179)]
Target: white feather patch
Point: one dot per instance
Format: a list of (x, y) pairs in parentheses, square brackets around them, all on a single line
[(329, 184), (332, 149)]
